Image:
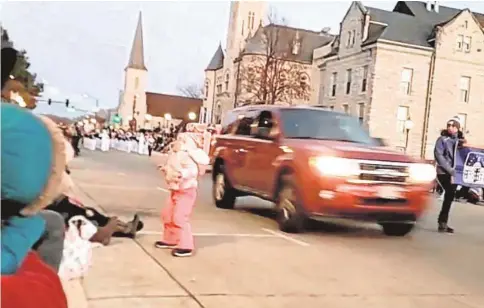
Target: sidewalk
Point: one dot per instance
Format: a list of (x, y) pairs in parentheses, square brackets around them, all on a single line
[(124, 274)]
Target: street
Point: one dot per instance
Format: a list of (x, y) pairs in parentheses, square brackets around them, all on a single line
[(242, 260)]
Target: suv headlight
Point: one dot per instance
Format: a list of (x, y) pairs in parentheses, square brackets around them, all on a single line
[(335, 166), (422, 173)]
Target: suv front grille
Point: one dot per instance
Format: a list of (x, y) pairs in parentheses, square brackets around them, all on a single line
[(383, 172)]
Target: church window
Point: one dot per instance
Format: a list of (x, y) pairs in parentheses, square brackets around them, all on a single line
[(219, 88), (243, 25), (227, 77), (136, 83), (206, 90), (250, 24)]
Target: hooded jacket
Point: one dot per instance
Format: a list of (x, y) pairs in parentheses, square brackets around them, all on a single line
[(187, 160), (32, 164), (444, 151)]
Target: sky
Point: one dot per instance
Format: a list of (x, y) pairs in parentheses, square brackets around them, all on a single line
[(80, 48)]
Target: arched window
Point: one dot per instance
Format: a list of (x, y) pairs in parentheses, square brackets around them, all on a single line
[(218, 113), (206, 89)]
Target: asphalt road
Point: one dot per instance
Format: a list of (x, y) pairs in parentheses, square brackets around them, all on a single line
[(242, 259)]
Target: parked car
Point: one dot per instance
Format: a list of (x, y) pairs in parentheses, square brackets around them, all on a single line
[(317, 164)]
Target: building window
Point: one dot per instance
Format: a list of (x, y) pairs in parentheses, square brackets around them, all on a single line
[(250, 24), (353, 38), (364, 81), (460, 42), (406, 81), (219, 88), (334, 80), (465, 84), (227, 82), (464, 43), (348, 81), (467, 43), (463, 121), (402, 117), (466, 24), (136, 83), (348, 42), (206, 90), (346, 108), (243, 25), (361, 112)]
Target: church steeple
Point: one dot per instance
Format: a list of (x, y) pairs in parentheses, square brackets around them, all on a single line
[(137, 58)]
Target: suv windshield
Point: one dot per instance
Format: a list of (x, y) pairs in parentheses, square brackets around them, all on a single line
[(323, 125)]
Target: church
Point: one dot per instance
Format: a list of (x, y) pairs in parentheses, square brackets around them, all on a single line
[(139, 109), (234, 76)]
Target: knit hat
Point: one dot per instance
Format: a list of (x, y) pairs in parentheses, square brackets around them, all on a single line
[(456, 121)]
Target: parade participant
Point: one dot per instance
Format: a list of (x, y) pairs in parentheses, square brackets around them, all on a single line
[(184, 165), (151, 143), (444, 152), (105, 141)]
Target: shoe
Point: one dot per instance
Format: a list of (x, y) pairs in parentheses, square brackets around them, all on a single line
[(163, 245), (182, 252), (443, 228)]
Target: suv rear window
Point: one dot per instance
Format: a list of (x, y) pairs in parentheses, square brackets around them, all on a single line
[(324, 125)]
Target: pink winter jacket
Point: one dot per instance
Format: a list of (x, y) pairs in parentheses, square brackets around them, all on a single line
[(184, 164)]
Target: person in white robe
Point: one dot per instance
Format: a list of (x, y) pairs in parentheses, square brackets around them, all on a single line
[(141, 144), (105, 141)]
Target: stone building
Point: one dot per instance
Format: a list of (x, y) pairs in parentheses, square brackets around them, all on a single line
[(233, 75), (405, 72), (141, 109)]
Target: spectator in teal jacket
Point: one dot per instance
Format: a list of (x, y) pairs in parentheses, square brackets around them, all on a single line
[(32, 163)]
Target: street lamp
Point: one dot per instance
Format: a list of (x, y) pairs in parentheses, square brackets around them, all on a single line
[(408, 125), (192, 116)]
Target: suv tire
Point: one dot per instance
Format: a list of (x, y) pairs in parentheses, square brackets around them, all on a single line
[(397, 229), (223, 193), (290, 217)]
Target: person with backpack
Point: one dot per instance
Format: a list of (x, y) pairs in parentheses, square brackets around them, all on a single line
[(185, 164)]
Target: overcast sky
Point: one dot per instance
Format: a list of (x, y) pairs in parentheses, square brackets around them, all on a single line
[(83, 47)]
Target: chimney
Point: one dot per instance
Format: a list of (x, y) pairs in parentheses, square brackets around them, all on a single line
[(433, 6)]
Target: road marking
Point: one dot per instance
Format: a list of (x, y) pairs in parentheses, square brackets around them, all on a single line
[(115, 186), (288, 238), (162, 189), (214, 234)]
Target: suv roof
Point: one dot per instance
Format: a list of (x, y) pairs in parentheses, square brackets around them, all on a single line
[(277, 107)]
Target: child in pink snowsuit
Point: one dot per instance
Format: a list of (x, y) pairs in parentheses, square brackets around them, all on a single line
[(184, 165)]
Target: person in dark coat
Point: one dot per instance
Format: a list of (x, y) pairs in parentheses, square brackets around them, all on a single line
[(444, 152)]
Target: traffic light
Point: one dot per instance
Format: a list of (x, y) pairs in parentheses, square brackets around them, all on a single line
[(49, 101), (67, 103)]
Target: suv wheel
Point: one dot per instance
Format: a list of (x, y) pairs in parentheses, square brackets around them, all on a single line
[(290, 217), (222, 191), (397, 229)]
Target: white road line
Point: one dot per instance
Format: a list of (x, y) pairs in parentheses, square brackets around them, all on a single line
[(115, 186), (215, 234), (288, 238), (162, 189)]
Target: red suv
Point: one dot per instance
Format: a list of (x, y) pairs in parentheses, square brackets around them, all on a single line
[(317, 164)]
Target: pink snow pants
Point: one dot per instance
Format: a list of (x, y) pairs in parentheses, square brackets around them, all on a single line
[(176, 218)]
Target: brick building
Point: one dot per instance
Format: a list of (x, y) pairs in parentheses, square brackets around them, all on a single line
[(405, 72)]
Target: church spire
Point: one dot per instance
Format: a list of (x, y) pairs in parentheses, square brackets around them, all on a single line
[(137, 58)]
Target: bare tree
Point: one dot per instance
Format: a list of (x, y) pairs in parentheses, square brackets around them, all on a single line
[(274, 74), (191, 90)]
